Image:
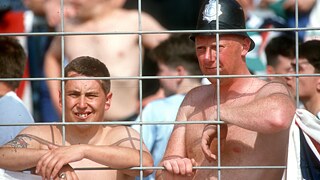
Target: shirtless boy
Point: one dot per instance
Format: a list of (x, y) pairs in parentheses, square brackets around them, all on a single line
[(257, 113), (86, 146), (119, 52)]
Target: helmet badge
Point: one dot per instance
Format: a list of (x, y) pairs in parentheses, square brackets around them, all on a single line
[(209, 13)]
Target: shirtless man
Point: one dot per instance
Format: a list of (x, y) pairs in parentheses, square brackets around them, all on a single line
[(86, 146), (257, 113), (119, 52)]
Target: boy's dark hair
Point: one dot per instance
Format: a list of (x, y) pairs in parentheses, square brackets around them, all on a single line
[(177, 50), (283, 45), (311, 51), (12, 60), (90, 67)]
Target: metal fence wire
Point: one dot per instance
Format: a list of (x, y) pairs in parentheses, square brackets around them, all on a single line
[(141, 77)]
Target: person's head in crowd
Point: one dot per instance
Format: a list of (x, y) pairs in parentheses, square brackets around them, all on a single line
[(90, 67), (280, 52), (176, 56), (309, 86), (12, 60), (231, 16), (87, 97)]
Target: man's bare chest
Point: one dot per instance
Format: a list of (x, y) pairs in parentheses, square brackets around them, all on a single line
[(239, 142), (100, 43)]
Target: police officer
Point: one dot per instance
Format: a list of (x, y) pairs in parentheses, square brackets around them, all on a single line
[(256, 113)]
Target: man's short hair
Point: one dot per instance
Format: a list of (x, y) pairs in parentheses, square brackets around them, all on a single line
[(311, 51), (90, 67), (283, 45), (177, 50), (12, 60)]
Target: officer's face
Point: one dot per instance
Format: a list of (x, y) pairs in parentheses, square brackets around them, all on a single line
[(232, 50)]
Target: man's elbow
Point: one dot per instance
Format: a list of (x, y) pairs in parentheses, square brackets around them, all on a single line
[(147, 172), (282, 120), (147, 162)]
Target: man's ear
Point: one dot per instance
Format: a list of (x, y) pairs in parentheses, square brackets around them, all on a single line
[(270, 70), (318, 84), (60, 99), (246, 46), (181, 72), (108, 101)]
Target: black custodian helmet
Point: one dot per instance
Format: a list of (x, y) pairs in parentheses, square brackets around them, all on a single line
[(230, 14)]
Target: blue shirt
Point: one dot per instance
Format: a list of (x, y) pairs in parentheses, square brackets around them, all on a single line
[(12, 110), (156, 136)]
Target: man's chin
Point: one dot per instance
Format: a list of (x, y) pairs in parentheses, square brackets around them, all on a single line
[(83, 126)]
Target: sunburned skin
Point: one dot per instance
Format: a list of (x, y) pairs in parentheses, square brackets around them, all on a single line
[(239, 146), (25, 141)]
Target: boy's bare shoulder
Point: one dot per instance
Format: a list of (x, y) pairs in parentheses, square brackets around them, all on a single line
[(47, 133), (40, 130), (123, 136), (121, 130), (36, 137)]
